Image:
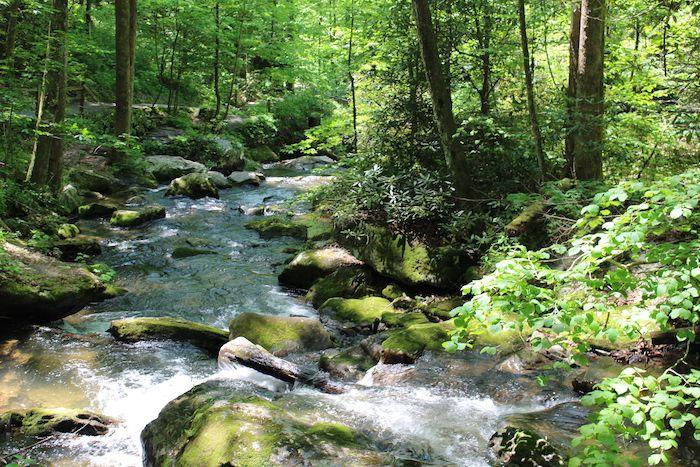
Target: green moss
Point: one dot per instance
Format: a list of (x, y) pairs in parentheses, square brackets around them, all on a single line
[(318, 227), (137, 329), (188, 252), (66, 231), (46, 422), (363, 311), (137, 217), (333, 432), (392, 292), (261, 154), (309, 266), (408, 344), (194, 185), (277, 226), (281, 335), (404, 319), (95, 210), (343, 283), (348, 364)]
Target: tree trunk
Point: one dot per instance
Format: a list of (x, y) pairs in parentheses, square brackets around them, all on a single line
[(531, 105), (217, 59), (588, 143), (132, 51), (571, 90), (122, 120), (441, 97), (47, 158), (11, 30), (351, 77), (234, 74), (484, 38)]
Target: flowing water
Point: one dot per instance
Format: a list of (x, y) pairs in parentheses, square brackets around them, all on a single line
[(442, 410)]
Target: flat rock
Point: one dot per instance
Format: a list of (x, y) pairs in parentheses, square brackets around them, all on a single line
[(136, 217), (309, 266)]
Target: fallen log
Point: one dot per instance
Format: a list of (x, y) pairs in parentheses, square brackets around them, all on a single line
[(241, 351), (671, 336)]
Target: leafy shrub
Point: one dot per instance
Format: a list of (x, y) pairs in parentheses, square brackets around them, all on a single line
[(295, 113), (332, 137), (257, 130)]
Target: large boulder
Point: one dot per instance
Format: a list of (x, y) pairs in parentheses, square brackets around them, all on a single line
[(277, 226), (518, 447), (352, 282), (219, 180), (195, 186), (136, 217), (305, 163), (37, 289), (221, 423), (96, 210), (281, 335), (164, 328), (349, 364), (90, 180), (407, 344), (72, 249), (409, 261), (310, 266), (366, 311), (262, 154), (246, 178), (47, 422), (167, 168)]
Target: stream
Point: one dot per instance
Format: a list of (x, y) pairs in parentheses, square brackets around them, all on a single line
[(441, 410)]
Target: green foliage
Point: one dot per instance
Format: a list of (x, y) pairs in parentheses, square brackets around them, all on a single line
[(332, 137), (257, 130), (635, 404), (103, 271)]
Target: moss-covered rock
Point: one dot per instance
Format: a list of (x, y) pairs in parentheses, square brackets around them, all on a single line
[(349, 364), (167, 168), (403, 319), (408, 344), (90, 180), (277, 226), (309, 266), (360, 311), (409, 261), (97, 210), (82, 245), (164, 328), (281, 335), (518, 447), (195, 186), (263, 154), (219, 180), (318, 227), (393, 291), (70, 199), (136, 217), (218, 424), (46, 422), (352, 282), (37, 289), (66, 231), (182, 252)]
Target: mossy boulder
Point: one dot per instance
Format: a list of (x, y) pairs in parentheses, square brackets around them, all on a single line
[(349, 364), (281, 335), (165, 328), (90, 180), (409, 262), (195, 186), (360, 311), (309, 266), (318, 227), (518, 447), (47, 422), (182, 252), (403, 319), (97, 210), (66, 231), (167, 168), (82, 245), (406, 345), (277, 226), (393, 291), (36, 289), (263, 154), (69, 198), (353, 282), (136, 217), (217, 424)]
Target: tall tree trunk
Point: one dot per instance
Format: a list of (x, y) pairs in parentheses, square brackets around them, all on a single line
[(351, 76), (122, 120), (234, 72), (8, 46), (571, 90), (588, 144), (87, 19), (132, 50), (531, 105), (217, 59), (441, 97), (47, 159), (484, 38)]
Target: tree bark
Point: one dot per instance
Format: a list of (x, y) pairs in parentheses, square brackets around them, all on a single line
[(442, 99), (11, 30), (122, 120), (217, 58), (571, 90), (47, 159), (588, 143), (132, 51), (531, 105), (351, 76)]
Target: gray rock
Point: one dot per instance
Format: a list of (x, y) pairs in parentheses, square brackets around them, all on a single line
[(219, 180), (167, 168), (246, 178), (194, 185)]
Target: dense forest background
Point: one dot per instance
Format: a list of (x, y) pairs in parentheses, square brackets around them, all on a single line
[(514, 133)]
